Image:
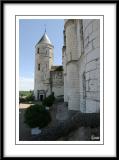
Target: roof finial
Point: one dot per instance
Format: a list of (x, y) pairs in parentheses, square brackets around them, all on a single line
[(45, 27)]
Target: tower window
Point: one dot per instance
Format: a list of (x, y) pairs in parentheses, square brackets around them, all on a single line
[(37, 50), (38, 66)]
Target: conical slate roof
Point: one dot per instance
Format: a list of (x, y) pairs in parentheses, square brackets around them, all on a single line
[(45, 39)]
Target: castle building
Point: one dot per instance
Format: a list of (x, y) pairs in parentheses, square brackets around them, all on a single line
[(81, 62), (48, 78)]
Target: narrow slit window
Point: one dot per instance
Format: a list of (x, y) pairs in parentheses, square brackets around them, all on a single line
[(38, 66), (38, 50)]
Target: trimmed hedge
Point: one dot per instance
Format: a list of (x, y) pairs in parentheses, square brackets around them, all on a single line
[(37, 116)]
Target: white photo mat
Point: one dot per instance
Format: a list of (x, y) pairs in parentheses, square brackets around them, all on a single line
[(12, 145)]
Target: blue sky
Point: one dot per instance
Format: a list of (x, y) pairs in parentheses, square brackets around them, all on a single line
[(30, 32)]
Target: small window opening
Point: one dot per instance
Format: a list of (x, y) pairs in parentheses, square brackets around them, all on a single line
[(38, 66)]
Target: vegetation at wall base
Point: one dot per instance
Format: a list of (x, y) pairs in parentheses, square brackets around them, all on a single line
[(37, 116), (48, 101), (59, 68)]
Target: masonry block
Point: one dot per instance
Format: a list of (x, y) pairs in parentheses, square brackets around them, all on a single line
[(87, 86), (91, 66), (96, 24), (95, 95), (93, 36), (96, 42), (94, 54), (91, 106), (88, 48), (87, 76), (94, 74), (90, 28), (92, 85)]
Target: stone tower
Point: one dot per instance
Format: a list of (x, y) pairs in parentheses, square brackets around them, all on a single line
[(70, 62), (43, 63)]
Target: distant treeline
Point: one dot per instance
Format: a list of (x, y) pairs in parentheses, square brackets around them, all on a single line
[(25, 93)]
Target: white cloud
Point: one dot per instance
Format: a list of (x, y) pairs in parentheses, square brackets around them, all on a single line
[(26, 84)]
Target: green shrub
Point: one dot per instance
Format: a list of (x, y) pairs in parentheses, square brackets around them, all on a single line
[(59, 68), (48, 101), (30, 97), (21, 100), (37, 116)]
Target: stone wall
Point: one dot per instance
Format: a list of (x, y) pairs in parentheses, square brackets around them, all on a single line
[(73, 85), (57, 83), (91, 31), (81, 61)]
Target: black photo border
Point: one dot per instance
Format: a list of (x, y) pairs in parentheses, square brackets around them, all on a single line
[(2, 60)]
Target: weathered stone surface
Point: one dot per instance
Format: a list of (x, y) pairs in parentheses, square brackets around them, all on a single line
[(82, 76), (62, 112), (87, 76), (76, 120), (94, 95), (92, 85), (91, 66), (94, 74), (95, 54), (92, 106), (96, 25), (88, 48)]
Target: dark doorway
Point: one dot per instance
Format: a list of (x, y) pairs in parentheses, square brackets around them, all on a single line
[(41, 97)]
